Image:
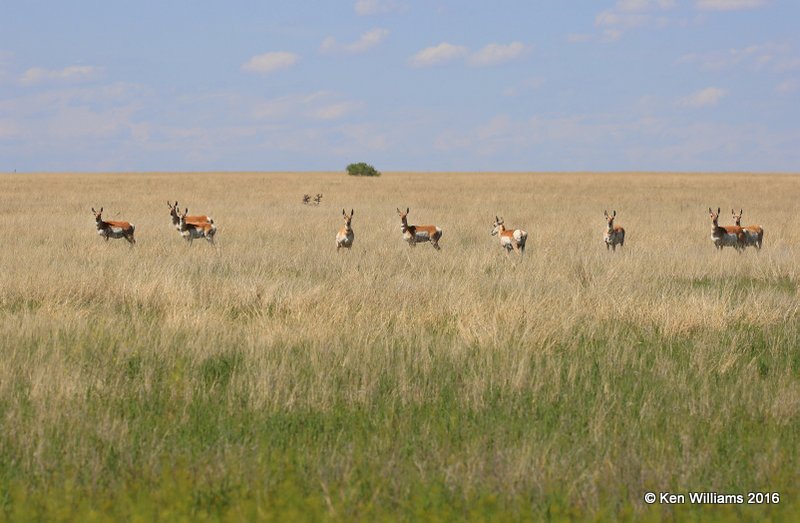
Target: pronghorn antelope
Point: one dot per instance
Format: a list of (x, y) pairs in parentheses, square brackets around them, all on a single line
[(306, 199), (414, 234), (113, 229), (345, 236), (174, 212), (753, 234), (318, 198), (510, 239), (727, 236), (614, 234), (190, 230)]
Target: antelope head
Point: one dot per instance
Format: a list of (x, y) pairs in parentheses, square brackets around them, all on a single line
[(737, 218), (498, 226), (714, 216), (98, 215), (403, 215), (610, 218), (173, 211), (347, 218), (182, 217)]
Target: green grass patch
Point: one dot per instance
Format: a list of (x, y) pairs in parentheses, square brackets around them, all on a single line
[(743, 284)]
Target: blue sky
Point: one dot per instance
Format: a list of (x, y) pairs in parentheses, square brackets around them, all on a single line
[(405, 85)]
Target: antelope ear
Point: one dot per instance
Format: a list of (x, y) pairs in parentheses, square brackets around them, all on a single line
[(101, 209), (186, 211), (408, 210), (719, 210), (94, 210), (710, 211), (344, 213), (398, 211), (605, 213), (352, 212), (614, 214), (740, 212)]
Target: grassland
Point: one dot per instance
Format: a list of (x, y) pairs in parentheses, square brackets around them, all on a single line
[(272, 378)]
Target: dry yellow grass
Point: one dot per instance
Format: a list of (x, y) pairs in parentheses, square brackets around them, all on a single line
[(605, 373)]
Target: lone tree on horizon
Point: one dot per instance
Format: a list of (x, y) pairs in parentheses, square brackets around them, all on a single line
[(362, 169)]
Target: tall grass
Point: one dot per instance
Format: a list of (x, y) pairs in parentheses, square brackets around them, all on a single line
[(272, 378)]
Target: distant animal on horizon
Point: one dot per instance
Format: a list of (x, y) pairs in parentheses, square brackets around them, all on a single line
[(190, 230), (615, 235), (510, 239), (306, 199), (345, 236), (111, 229), (725, 236), (174, 212), (415, 234), (318, 198), (753, 234)]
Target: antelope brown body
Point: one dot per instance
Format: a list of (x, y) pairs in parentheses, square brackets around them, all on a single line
[(510, 239), (174, 212), (615, 235), (190, 231), (415, 234), (726, 236), (109, 229), (753, 234), (345, 236)]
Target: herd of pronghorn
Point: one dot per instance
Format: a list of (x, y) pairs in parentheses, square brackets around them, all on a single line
[(202, 226)]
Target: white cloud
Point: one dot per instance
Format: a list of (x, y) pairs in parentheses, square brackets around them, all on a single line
[(270, 62), (71, 118), (728, 5), (374, 7), (361, 138), (612, 34), (334, 111), (73, 73), (523, 87), (788, 86), (329, 45), (103, 96), (625, 20), (771, 56), (632, 14), (321, 105), (617, 142), (490, 54), (704, 98), (493, 54), (367, 41), (644, 5), (71, 123), (790, 64), (437, 55)]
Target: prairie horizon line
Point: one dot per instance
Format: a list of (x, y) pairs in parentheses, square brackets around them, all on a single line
[(403, 172)]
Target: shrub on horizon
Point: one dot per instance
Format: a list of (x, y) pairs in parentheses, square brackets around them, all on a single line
[(362, 169)]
